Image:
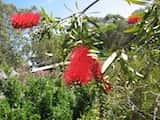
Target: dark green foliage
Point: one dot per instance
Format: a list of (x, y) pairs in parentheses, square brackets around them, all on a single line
[(44, 99), (12, 91), (85, 96), (4, 110)]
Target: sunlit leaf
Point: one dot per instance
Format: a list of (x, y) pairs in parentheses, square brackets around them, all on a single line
[(132, 30), (138, 2), (45, 15)]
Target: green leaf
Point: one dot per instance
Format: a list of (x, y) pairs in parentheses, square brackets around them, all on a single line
[(138, 2), (77, 5), (45, 15), (69, 9), (132, 30)]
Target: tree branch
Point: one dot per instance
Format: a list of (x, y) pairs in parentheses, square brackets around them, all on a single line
[(89, 6), (156, 107), (140, 112), (83, 11)]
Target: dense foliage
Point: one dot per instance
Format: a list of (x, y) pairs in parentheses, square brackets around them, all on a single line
[(133, 74)]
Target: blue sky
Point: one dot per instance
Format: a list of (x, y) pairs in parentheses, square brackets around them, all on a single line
[(58, 9)]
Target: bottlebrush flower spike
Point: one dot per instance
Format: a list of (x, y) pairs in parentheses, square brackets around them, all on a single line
[(25, 20), (97, 71), (134, 19), (107, 88), (82, 68)]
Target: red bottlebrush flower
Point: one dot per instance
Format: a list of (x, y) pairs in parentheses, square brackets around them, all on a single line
[(107, 88), (82, 68), (25, 20), (134, 19), (97, 71)]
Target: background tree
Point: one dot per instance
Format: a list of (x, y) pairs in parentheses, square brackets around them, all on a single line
[(7, 53)]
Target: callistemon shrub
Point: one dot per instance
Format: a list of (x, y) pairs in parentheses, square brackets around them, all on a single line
[(82, 68), (133, 19), (25, 20)]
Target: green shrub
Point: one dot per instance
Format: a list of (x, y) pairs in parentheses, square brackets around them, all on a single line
[(38, 99)]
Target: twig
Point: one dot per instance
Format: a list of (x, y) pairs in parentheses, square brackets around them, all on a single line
[(140, 112), (89, 6), (156, 107), (82, 12)]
